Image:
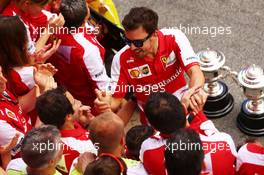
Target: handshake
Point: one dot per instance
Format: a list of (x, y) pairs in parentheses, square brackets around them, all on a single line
[(193, 100)]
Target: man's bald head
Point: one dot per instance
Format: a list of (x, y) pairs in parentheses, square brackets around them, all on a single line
[(107, 129)]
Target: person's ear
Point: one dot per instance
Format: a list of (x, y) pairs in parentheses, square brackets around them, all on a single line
[(52, 162), (155, 33), (69, 117), (26, 3), (122, 141)]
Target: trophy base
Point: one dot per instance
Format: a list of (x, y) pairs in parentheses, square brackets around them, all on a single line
[(220, 105), (250, 124)]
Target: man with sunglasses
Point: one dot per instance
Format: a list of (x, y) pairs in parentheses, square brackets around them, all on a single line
[(154, 60)]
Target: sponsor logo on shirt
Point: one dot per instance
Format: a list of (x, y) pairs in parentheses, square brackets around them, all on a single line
[(168, 61), (10, 114), (23, 120), (134, 73), (164, 59), (145, 70), (130, 60), (140, 72), (191, 58), (164, 83), (99, 74)]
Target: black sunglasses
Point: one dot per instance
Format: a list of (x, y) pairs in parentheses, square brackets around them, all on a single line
[(137, 43)]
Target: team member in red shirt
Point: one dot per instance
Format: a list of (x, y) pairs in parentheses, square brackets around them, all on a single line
[(54, 108), (16, 62), (250, 159), (165, 114), (39, 24), (33, 15), (134, 139), (13, 122), (14, 57), (184, 161), (79, 58), (154, 60)]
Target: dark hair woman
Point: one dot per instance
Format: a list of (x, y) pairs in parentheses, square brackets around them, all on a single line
[(14, 56), (15, 62)]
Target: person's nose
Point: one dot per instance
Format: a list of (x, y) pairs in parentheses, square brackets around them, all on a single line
[(133, 47)]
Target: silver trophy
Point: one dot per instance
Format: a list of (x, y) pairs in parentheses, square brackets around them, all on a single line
[(251, 117), (219, 102)]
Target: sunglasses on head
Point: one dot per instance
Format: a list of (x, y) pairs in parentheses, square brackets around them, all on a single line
[(137, 43)]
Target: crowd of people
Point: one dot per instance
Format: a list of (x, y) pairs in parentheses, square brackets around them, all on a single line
[(63, 113)]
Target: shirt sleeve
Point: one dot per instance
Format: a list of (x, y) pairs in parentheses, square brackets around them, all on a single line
[(119, 83), (7, 132), (188, 58), (22, 80), (95, 67)]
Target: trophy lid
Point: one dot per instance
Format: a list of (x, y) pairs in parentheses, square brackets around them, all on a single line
[(210, 60), (252, 77)]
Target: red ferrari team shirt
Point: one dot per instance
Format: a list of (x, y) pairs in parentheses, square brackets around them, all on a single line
[(163, 73), (34, 24), (152, 151), (218, 147), (12, 119), (80, 65), (250, 160), (21, 80), (75, 142)]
